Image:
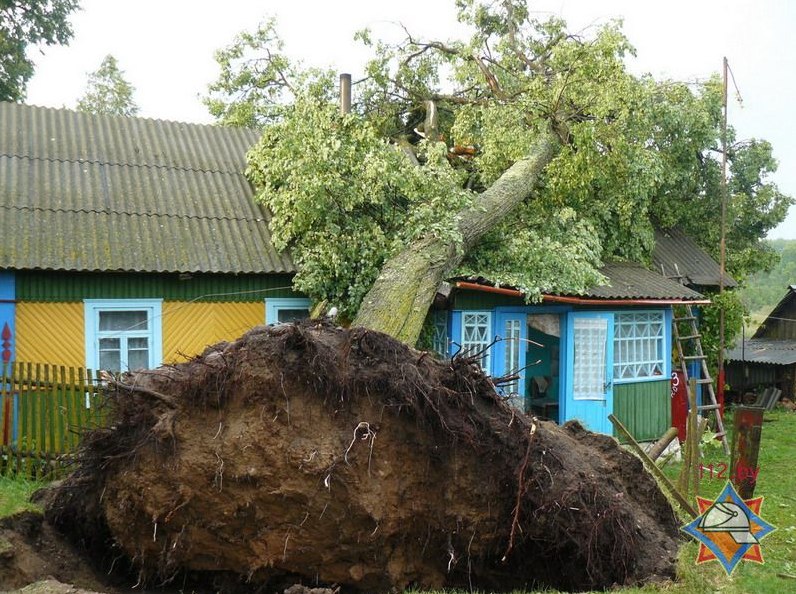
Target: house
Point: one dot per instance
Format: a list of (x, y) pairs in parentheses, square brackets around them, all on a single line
[(768, 359), (129, 242), (575, 356)]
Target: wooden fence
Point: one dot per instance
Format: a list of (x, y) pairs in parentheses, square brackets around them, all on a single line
[(44, 409)]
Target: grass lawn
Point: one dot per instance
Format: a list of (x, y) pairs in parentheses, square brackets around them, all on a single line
[(776, 482), (14, 495)]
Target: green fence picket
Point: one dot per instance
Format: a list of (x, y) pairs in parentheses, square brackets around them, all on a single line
[(54, 406)]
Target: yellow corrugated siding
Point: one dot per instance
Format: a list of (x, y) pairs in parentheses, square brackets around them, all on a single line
[(50, 333), (189, 327)]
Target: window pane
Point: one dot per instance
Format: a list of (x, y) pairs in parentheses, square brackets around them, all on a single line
[(290, 315), (122, 320), (110, 354), (108, 344), (139, 342), (137, 359)]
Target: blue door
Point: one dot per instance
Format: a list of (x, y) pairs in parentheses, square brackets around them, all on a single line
[(590, 393), (510, 355)]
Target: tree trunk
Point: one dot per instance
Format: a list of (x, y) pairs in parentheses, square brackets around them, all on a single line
[(398, 301)]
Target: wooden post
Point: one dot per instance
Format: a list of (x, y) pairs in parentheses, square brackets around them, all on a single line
[(653, 468), (748, 427), (657, 449), (694, 434)]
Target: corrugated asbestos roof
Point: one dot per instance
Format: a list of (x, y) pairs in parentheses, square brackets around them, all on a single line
[(758, 350), (778, 310), (674, 250), (97, 193), (628, 280)]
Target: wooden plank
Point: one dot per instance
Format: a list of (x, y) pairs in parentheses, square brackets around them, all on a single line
[(653, 468), (62, 426), (52, 408)]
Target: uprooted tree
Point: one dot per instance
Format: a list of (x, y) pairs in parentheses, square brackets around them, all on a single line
[(342, 456), (525, 155)]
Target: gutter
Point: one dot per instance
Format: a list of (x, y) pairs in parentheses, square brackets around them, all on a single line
[(579, 300)]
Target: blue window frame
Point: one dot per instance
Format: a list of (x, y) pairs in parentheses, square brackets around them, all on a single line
[(641, 346), (280, 310), (439, 333), (123, 334), (476, 327)]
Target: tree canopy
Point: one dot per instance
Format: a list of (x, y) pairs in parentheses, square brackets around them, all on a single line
[(436, 123), (108, 92), (26, 23)]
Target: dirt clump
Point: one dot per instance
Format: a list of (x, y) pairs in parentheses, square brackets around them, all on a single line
[(31, 550), (314, 454)]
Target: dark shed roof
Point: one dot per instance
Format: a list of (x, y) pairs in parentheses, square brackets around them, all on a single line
[(758, 350), (674, 250), (97, 193), (775, 319)]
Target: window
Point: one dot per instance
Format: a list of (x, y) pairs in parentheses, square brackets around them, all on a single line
[(590, 365), (284, 310), (639, 345), (476, 331), (439, 329), (123, 334), (512, 341)]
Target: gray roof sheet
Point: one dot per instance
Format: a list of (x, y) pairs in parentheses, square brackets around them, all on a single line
[(93, 193), (628, 280), (674, 250), (757, 350)]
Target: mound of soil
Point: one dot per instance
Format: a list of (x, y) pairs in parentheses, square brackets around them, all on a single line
[(311, 453), (31, 550)]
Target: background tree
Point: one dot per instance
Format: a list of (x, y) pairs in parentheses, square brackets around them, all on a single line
[(25, 23), (523, 154), (108, 92)]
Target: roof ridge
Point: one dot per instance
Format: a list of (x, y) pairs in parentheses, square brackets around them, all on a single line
[(131, 213), (119, 164)]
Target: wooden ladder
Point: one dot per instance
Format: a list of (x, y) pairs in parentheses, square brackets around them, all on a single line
[(685, 313)]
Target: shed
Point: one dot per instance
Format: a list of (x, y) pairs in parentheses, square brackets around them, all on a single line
[(769, 357)]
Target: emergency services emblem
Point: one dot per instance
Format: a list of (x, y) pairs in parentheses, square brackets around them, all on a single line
[(729, 529)]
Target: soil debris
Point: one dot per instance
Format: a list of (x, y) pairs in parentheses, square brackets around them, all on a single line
[(326, 456)]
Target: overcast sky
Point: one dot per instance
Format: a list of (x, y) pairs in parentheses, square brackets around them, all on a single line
[(166, 49)]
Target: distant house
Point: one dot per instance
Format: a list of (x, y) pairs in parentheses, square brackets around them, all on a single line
[(768, 359), (129, 242)]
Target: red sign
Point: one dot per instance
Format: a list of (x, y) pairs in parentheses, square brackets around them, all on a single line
[(679, 403)]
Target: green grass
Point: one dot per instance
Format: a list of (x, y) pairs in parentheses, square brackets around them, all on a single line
[(777, 483), (15, 494)]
